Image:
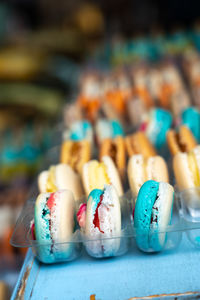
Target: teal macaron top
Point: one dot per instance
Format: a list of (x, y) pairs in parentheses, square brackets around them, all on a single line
[(162, 122), (79, 130), (117, 129), (191, 118)]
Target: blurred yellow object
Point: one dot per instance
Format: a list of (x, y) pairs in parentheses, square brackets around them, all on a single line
[(18, 64), (89, 19), (4, 292)]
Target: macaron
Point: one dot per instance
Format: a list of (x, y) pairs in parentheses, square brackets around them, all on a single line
[(78, 131), (135, 110), (60, 177), (138, 143), (108, 129), (102, 225), (96, 174), (186, 168), (179, 101), (53, 226), (142, 169), (75, 154), (155, 125), (115, 148), (152, 215), (181, 141), (191, 118)]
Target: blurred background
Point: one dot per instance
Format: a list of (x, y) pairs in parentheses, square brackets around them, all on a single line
[(44, 45)]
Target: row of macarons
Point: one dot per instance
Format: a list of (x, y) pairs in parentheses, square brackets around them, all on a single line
[(100, 221), (154, 124), (143, 164), (118, 93)]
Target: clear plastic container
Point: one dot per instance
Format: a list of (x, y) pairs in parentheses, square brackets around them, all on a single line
[(185, 218), (22, 237), (190, 213)]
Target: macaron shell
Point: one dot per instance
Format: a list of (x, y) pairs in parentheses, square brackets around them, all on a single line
[(183, 175), (42, 231), (156, 169), (103, 130), (42, 181), (143, 210), (115, 148), (141, 170), (160, 123), (75, 154), (94, 176), (191, 118), (67, 179), (136, 173), (113, 174), (138, 143), (184, 141)]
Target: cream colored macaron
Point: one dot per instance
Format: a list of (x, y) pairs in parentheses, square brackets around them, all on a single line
[(96, 174), (141, 169), (60, 177), (187, 169)]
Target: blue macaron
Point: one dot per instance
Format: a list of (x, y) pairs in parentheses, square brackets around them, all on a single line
[(158, 123), (152, 215), (191, 118)]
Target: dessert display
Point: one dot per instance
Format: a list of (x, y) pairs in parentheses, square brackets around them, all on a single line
[(113, 166)]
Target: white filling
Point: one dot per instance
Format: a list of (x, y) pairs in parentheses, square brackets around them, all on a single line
[(161, 212)]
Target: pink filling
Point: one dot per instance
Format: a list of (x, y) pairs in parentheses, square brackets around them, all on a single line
[(33, 231), (51, 201), (143, 126), (81, 215)]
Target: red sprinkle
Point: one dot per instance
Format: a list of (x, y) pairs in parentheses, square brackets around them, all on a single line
[(96, 215)]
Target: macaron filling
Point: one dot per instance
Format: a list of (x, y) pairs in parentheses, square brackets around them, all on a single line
[(81, 215), (193, 167), (50, 184), (98, 175)]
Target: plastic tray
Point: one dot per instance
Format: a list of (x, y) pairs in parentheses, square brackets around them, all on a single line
[(185, 218)]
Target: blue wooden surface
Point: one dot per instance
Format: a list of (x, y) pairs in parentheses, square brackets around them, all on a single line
[(135, 274)]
